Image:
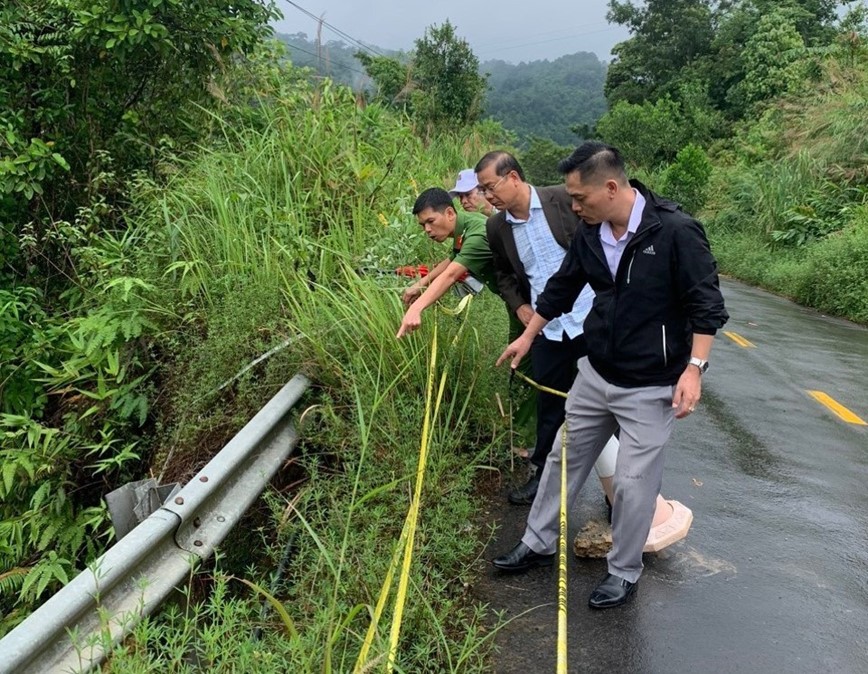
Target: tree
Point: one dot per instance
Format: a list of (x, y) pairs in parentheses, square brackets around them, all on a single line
[(667, 36), (540, 161), (648, 134), (771, 62), (89, 91), (547, 98), (440, 86), (686, 179), (449, 91), (674, 42), (391, 77)]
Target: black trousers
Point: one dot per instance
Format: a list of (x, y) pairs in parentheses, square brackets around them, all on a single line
[(554, 365)]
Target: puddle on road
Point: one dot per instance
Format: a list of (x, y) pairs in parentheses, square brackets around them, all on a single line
[(749, 451), (681, 563)]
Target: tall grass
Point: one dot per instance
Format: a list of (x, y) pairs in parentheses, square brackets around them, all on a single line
[(315, 184), (788, 202), (755, 199), (272, 235)]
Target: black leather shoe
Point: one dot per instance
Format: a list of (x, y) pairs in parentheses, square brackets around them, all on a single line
[(522, 558), (613, 591), (525, 494)]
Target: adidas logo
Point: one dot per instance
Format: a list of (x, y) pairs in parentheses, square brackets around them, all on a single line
[(649, 251)]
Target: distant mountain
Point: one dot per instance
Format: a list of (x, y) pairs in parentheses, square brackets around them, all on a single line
[(536, 98), (546, 98)]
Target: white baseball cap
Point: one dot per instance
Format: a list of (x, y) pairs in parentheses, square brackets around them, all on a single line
[(466, 181)]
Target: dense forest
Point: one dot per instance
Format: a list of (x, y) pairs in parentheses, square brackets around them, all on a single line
[(544, 99), (170, 212), (547, 99)]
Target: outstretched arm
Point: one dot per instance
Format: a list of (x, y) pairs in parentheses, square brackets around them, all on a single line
[(519, 348), (412, 293), (436, 289)]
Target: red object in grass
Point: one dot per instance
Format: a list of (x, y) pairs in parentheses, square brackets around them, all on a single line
[(412, 271)]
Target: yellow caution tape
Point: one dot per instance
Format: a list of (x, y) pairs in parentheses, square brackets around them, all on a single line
[(408, 533), (362, 660), (562, 543), (404, 547), (538, 387), (404, 580), (462, 305), (562, 561)]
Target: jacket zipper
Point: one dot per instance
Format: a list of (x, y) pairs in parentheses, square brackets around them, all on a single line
[(665, 357), (632, 247)]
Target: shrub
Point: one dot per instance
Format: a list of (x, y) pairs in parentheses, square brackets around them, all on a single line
[(834, 277), (647, 134), (540, 161), (686, 180)]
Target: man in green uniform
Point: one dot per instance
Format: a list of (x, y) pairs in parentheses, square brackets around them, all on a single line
[(438, 217)]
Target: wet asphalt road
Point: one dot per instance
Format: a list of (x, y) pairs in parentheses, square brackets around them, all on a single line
[(773, 576)]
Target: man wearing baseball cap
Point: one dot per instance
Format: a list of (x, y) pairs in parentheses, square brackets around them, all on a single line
[(467, 190)]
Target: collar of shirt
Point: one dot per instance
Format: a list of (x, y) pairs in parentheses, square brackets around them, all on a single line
[(534, 203), (613, 249), (460, 228), (632, 224)]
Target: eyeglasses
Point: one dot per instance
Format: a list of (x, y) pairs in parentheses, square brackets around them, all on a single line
[(490, 190)]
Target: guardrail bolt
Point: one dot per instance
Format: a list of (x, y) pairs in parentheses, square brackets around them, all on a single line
[(198, 544), (204, 478), (197, 522), (179, 501), (220, 518)]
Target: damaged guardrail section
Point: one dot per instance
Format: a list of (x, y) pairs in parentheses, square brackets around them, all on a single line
[(74, 630)]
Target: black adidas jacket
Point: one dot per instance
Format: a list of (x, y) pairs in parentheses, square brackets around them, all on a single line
[(640, 330)]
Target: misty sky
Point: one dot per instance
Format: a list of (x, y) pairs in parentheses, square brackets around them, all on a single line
[(511, 30)]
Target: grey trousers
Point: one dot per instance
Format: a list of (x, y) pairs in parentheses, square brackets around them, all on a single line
[(594, 408)]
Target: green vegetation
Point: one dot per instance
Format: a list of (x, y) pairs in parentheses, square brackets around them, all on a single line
[(259, 241), (178, 266), (440, 85), (558, 100), (169, 212), (752, 114), (547, 99), (540, 161), (791, 212), (91, 97)]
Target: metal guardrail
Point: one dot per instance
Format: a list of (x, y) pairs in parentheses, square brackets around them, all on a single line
[(73, 631)]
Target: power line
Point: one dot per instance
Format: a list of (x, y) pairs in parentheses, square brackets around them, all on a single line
[(334, 29), (341, 65)]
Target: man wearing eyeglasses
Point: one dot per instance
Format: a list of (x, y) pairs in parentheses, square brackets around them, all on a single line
[(529, 237)]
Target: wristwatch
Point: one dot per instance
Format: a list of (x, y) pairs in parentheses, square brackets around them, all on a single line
[(698, 362)]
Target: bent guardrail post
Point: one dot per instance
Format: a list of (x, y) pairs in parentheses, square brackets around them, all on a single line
[(73, 631)]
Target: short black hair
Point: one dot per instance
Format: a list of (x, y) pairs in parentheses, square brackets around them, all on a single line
[(434, 198), (503, 162), (593, 159)]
